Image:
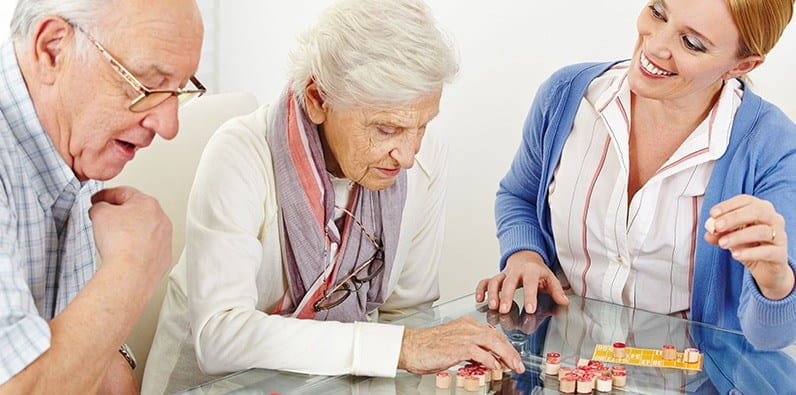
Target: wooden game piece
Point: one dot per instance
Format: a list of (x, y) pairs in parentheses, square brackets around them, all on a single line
[(710, 225), (669, 352), (443, 380), (691, 355), (619, 379), (551, 369), (619, 350), (471, 384), (604, 384), (567, 384), (582, 362), (585, 385), (497, 374), (563, 371), (618, 368), (460, 376), (488, 375), (479, 374), (554, 357)]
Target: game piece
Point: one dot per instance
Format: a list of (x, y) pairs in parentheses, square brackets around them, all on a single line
[(487, 375), (567, 384), (585, 385), (604, 384), (618, 368), (620, 350), (443, 380), (582, 362), (669, 352), (497, 374), (460, 376), (551, 368), (619, 379), (481, 376), (710, 225), (563, 371), (554, 357), (691, 355), (471, 383)]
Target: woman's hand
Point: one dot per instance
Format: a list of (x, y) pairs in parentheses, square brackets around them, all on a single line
[(524, 269), (754, 232), (430, 350)]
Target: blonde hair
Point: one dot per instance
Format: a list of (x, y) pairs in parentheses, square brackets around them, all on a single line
[(373, 52), (760, 23)]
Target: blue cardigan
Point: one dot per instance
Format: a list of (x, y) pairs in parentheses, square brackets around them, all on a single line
[(760, 161)]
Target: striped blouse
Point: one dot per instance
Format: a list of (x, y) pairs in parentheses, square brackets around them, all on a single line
[(638, 253)]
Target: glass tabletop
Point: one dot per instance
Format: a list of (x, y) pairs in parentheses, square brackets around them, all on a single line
[(730, 363)]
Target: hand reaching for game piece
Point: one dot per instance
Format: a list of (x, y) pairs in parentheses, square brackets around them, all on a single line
[(430, 350), (524, 269), (754, 232)]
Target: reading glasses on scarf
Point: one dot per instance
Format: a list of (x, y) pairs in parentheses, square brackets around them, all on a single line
[(148, 98), (361, 275)]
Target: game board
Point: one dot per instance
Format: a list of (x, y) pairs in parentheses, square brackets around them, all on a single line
[(644, 357)]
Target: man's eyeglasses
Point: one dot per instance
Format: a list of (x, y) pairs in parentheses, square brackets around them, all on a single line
[(361, 275), (148, 98)]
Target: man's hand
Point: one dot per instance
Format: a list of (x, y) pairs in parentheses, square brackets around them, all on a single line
[(754, 232), (119, 378), (130, 228), (524, 269), (437, 348)]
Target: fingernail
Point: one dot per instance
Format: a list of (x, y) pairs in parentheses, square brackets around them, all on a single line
[(715, 212), (492, 304), (737, 254), (723, 242), (720, 225), (518, 366), (529, 308), (504, 307)]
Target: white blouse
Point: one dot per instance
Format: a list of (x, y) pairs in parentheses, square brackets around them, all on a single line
[(639, 254)]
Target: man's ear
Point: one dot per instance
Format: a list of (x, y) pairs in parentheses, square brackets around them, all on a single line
[(313, 100), (745, 66), (52, 40)]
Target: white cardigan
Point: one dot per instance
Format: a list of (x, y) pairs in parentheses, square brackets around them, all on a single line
[(230, 275)]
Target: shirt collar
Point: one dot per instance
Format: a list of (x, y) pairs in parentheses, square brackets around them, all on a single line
[(54, 175)]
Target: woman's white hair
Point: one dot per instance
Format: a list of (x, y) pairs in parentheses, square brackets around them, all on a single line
[(373, 52), (83, 13)]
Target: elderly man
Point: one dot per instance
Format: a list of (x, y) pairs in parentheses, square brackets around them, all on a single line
[(84, 84)]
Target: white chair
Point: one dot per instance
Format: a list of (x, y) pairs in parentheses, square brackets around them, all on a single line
[(166, 171)]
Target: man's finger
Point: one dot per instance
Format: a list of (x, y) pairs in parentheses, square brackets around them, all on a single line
[(530, 285), (480, 289), (555, 290), (493, 292), (115, 196), (507, 293)]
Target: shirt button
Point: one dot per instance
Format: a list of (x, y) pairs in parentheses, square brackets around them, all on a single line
[(619, 260)]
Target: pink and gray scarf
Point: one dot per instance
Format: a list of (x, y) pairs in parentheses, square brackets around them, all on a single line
[(308, 232)]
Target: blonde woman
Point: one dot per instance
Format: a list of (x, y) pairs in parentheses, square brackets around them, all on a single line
[(623, 164)]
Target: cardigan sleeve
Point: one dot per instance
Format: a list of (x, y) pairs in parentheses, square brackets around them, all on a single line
[(516, 208), (770, 324), (224, 254)]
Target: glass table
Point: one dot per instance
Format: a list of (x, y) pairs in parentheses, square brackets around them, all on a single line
[(730, 363)]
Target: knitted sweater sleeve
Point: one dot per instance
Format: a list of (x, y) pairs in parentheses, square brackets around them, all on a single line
[(516, 208)]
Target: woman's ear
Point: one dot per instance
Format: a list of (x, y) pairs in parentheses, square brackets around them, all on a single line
[(314, 103), (745, 66)]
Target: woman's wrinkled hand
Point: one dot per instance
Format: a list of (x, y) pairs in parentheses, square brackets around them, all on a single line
[(430, 350)]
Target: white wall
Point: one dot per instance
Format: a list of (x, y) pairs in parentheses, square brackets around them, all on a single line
[(508, 47)]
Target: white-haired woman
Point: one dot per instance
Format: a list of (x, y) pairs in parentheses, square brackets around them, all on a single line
[(309, 216)]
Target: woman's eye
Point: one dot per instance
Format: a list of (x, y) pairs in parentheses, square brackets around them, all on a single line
[(693, 45), (656, 13)]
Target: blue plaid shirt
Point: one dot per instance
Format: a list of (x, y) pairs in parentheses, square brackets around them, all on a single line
[(47, 251)]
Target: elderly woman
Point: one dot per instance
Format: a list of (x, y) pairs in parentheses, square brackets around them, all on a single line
[(623, 164), (309, 217)]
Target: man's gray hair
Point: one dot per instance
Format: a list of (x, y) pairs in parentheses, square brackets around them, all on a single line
[(373, 52), (83, 13)]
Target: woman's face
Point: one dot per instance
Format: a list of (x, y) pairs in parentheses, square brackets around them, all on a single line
[(371, 145), (686, 48)]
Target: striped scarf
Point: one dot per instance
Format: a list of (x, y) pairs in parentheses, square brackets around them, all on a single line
[(315, 253)]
